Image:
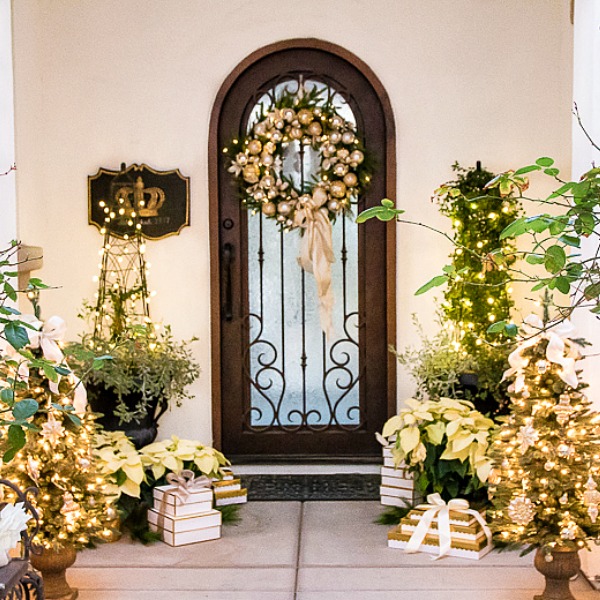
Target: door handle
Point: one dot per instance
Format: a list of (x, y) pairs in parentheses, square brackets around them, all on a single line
[(227, 259)]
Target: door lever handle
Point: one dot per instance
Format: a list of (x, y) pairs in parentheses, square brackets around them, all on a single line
[(227, 259)]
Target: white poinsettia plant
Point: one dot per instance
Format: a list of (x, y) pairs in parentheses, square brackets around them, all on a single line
[(13, 520), (118, 459), (175, 454), (444, 443)]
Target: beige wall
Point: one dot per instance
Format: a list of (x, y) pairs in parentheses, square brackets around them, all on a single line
[(98, 83)]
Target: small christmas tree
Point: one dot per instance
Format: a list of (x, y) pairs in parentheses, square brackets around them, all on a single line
[(57, 455), (547, 450)]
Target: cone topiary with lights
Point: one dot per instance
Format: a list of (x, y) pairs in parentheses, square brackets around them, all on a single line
[(547, 451), (481, 295)]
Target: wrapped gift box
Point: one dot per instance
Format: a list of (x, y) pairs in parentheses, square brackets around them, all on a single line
[(456, 517), (178, 531), (229, 490), (473, 550), (469, 533), (226, 473), (226, 497), (226, 485), (467, 537), (397, 484), (170, 503)]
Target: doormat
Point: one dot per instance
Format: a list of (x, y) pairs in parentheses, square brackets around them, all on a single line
[(341, 486)]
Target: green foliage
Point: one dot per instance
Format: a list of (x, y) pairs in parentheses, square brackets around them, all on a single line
[(392, 515), (50, 448), (439, 362), (449, 478), (140, 361), (384, 212), (477, 292), (16, 408), (443, 443), (556, 237)]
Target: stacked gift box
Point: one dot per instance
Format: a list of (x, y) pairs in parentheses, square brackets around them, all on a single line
[(228, 489), (467, 537), (184, 516), (397, 484)]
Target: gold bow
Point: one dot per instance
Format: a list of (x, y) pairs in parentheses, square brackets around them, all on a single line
[(186, 482)]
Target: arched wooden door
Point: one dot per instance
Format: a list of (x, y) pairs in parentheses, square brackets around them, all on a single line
[(280, 390)]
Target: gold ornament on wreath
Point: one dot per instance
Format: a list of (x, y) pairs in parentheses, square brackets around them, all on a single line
[(257, 162)]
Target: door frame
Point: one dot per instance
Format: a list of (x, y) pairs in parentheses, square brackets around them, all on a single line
[(214, 158)]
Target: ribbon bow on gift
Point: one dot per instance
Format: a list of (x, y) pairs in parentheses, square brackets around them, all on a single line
[(316, 251), (436, 507), (186, 482), (555, 351)]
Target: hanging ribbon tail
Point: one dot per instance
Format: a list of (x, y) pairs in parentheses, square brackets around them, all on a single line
[(316, 256), (53, 330), (79, 396), (557, 352)]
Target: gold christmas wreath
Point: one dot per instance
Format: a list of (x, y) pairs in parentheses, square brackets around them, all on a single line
[(256, 160)]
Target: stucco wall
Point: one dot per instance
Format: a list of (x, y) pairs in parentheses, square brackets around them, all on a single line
[(100, 83)]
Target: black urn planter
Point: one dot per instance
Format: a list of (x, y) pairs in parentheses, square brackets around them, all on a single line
[(468, 387), (141, 432)]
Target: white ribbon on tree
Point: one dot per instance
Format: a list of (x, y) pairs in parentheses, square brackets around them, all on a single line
[(186, 482), (316, 251), (436, 507), (556, 351), (46, 337)]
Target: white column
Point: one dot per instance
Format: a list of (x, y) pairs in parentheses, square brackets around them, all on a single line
[(586, 93), (8, 197)]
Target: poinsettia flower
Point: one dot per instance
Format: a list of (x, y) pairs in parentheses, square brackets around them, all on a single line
[(13, 520)]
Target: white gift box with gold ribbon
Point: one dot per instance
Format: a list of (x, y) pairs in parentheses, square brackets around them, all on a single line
[(178, 531), (183, 511), (168, 502)]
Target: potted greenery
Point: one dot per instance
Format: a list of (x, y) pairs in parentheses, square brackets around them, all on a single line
[(147, 372), (441, 367)]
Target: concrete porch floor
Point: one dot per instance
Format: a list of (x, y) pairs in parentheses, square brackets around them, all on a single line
[(302, 551)]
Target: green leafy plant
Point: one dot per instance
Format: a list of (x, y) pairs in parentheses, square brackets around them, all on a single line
[(569, 216), (480, 296), (144, 364), (557, 237), (17, 402), (441, 367), (444, 443)]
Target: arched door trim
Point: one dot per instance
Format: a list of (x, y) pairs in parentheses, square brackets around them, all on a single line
[(214, 158)]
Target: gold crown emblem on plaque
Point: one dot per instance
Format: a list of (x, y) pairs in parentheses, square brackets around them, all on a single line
[(146, 201)]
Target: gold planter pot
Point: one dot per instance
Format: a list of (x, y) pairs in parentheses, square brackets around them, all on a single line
[(53, 565)]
